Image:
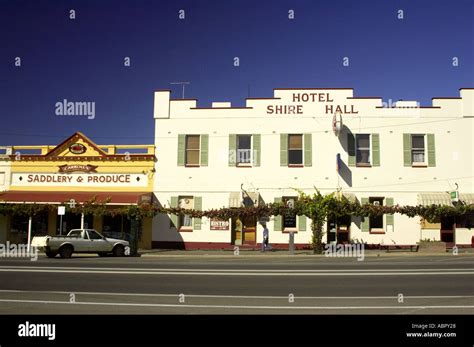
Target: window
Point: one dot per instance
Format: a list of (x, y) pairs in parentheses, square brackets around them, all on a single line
[(363, 149), (418, 149), (192, 150), (75, 232), (295, 149), (93, 235), (376, 222), (244, 149), (289, 219), (116, 227), (185, 220)]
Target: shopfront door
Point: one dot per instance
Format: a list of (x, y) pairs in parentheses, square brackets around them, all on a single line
[(448, 231), (249, 230)]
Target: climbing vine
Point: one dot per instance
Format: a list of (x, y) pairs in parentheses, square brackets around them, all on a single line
[(316, 206)]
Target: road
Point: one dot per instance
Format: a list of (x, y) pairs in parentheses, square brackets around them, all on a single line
[(238, 285)]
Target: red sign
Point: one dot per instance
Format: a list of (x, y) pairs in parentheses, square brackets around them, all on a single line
[(77, 148)]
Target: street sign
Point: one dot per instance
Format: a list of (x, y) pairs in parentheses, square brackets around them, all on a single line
[(61, 210), (454, 196)]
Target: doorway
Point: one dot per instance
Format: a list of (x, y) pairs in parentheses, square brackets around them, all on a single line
[(249, 230), (448, 231), (338, 230)]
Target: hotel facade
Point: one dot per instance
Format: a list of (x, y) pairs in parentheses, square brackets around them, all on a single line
[(302, 139)]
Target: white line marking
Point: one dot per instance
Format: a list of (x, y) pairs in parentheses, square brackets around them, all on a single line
[(122, 272), (232, 306), (239, 296), (173, 270)]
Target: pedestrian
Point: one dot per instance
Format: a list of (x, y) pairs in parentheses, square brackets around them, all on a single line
[(265, 237)]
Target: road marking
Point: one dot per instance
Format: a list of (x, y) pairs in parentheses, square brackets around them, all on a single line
[(20, 268), (249, 273), (240, 296), (227, 273), (234, 306)]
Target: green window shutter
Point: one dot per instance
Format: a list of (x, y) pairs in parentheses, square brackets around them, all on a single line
[(301, 223), (198, 207), (308, 153), (277, 222), (389, 217), (256, 149), (283, 149), (204, 149), (407, 150), (431, 150), (364, 225), (181, 149), (174, 217), (351, 149), (375, 150), (232, 149)]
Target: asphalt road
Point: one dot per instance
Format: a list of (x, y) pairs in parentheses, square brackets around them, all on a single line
[(238, 285)]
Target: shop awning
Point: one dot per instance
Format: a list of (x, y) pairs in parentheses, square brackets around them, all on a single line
[(443, 198), (116, 198), (238, 199)]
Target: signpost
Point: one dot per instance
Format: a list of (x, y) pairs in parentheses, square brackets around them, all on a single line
[(454, 196), (61, 212), (29, 235)]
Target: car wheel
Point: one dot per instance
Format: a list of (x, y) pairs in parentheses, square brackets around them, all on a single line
[(51, 254), (119, 251), (66, 251), (102, 254)]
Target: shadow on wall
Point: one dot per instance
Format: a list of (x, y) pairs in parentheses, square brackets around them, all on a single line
[(344, 171), (168, 237)]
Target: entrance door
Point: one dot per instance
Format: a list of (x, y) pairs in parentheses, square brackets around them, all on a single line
[(343, 229), (331, 231), (236, 234), (249, 230), (447, 231), (338, 230)]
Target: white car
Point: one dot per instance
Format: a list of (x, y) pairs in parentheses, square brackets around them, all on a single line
[(80, 241)]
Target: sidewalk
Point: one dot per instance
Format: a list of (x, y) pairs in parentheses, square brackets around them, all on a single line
[(285, 253)]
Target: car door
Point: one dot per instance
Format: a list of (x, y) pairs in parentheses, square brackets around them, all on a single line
[(81, 244), (97, 242)]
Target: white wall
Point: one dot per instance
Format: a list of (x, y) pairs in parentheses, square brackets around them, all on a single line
[(450, 120)]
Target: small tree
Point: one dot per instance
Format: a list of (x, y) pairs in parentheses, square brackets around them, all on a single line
[(317, 207)]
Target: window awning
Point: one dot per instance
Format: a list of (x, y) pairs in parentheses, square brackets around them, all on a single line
[(237, 199), (116, 198), (443, 198)]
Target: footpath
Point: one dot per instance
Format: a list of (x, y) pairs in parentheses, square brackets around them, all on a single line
[(286, 253)]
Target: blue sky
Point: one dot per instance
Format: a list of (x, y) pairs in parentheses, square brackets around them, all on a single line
[(83, 59)]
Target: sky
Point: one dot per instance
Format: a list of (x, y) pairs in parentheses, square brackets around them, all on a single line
[(83, 59)]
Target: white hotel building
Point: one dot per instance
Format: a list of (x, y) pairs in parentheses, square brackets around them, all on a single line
[(389, 154)]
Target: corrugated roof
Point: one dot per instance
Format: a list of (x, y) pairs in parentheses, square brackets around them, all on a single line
[(443, 198)]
